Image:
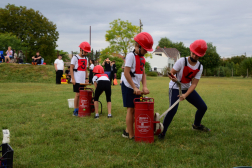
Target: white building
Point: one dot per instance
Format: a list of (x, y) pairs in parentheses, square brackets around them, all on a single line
[(163, 58)]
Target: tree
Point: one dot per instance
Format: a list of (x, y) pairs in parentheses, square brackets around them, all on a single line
[(167, 43), (120, 37), (36, 32), (7, 39), (211, 59), (246, 65)]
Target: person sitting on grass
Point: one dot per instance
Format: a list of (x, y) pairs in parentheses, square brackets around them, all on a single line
[(36, 59), (188, 71), (134, 73), (9, 53), (101, 83)]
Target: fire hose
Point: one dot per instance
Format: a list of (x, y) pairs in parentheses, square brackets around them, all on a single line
[(158, 128)]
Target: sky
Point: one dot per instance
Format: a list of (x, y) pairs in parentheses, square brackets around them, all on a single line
[(227, 24)]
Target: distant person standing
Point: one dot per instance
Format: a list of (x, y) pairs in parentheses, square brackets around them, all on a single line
[(107, 64), (113, 72), (123, 66), (91, 67), (9, 53), (59, 68)]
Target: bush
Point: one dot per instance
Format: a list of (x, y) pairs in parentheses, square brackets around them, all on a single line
[(165, 71), (152, 73), (147, 67)]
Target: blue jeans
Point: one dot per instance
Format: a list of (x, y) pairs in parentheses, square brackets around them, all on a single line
[(194, 98), (108, 73)]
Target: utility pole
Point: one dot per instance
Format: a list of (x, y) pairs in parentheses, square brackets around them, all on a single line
[(245, 54), (140, 25), (90, 43)]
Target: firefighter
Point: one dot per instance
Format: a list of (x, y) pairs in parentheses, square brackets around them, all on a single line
[(134, 73), (79, 73), (188, 71), (102, 83)]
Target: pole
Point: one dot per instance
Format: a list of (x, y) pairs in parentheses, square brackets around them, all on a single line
[(90, 36), (232, 72), (140, 25), (247, 72), (72, 54)]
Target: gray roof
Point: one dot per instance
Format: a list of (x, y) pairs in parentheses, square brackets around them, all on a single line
[(169, 52)]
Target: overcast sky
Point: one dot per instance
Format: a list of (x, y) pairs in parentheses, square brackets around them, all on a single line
[(225, 23)]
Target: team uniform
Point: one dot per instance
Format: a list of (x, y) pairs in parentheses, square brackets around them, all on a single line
[(80, 67), (136, 63), (185, 74), (103, 84)]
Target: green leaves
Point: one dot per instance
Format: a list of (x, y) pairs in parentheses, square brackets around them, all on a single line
[(120, 36), (34, 30)]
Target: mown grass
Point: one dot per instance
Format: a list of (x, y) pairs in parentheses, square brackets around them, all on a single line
[(45, 134), (13, 72)]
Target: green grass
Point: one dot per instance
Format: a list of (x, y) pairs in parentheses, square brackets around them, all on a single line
[(27, 73), (45, 134)]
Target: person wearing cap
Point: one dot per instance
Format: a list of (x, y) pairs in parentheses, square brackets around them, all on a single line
[(188, 71), (134, 73), (101, 83), (78, 71)]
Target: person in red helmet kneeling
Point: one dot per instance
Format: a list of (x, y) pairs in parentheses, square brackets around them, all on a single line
[(188, 71), (78, 71), (102, 83), (134, 73)]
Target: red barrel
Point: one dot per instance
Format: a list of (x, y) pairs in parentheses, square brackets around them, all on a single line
[(144, 117), (84, 103)]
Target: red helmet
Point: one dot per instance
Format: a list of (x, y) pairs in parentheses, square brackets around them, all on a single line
[(145, 40), (199, 47), (98, 69), (85, 46)]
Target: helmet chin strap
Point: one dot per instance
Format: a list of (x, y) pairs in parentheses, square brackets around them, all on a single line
[(193, 60), (139, 53), (82, 53)]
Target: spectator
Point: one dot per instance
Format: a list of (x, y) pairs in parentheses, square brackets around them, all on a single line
[(68, 75), (21, 57), (9, 54), (15, 57), (91, 67), (1, 56), (123, 66), (59, 67), (113, 72), (107, 64), (36, 59)]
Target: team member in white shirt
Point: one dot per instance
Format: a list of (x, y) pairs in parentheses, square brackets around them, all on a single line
[(101, 83), (188, 71), (59, 68), (78, 70), (134, 73), (91, 67)]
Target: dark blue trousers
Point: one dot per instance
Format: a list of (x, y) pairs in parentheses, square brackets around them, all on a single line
[(194, 98)]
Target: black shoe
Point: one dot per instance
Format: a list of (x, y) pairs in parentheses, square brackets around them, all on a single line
[(110, 116), (125, 134), (200, 128), (96, 117), (161, 136)]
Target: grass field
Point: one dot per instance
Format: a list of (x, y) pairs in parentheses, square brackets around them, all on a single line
[(45, 134)]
